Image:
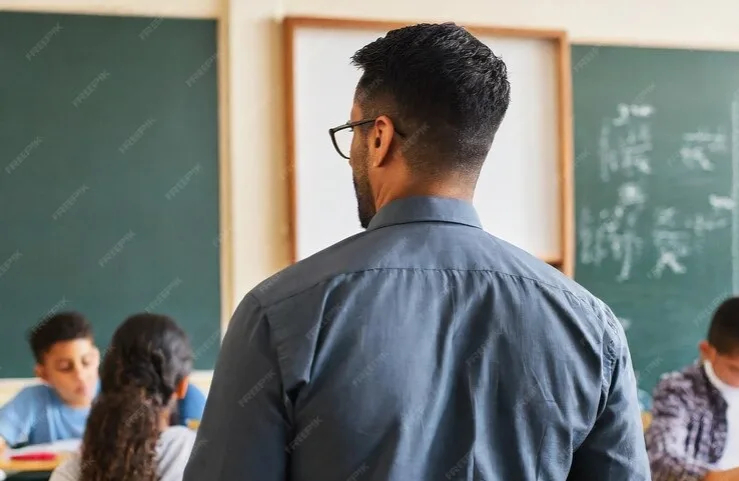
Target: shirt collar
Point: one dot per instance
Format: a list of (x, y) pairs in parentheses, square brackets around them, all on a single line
[(729, 393), (713, 394), (426, 209)]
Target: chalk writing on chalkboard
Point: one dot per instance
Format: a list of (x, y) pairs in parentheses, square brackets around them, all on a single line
[(671, 241), (721, 202), (626, 112), (626, 142), (719, 217), (676, 236), (699, 146), (613, 233)]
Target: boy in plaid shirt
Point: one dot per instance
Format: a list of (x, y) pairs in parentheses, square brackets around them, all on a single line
[(694, 434)]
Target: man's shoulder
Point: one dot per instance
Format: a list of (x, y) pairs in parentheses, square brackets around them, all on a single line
[(546, 279), (351, 255)]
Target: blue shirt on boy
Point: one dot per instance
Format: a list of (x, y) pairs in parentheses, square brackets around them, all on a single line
[(37, 415), (191, 407)]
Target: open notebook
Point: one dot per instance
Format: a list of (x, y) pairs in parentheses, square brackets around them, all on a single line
[(68, 445)]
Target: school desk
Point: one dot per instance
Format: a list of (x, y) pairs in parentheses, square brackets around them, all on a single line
[(646, 419), (13, 468)]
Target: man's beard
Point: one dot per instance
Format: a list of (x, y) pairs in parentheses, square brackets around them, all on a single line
[(363, 192), (365, 202)]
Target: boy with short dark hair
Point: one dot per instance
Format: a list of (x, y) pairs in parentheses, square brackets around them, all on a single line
[(694, 433), (67, 362)]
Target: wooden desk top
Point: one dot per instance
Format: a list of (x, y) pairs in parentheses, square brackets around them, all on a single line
[(11, 466), (646, 419)]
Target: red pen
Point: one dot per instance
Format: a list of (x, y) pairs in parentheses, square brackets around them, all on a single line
[(40, 456)]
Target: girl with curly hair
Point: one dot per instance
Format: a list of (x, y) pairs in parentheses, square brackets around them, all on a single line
[(128, 435)]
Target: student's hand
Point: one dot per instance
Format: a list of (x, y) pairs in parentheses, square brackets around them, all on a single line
[(728, 475)]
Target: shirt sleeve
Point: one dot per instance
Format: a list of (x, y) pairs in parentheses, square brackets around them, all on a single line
[(19, 415), (614, 449), (667, 436), (244, 428), (191, 407)]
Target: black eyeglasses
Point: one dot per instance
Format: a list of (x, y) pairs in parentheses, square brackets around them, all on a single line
[(341, 136)]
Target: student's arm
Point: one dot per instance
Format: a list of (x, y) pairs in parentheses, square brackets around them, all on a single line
[(243, 431), (18, 416), (614, 449), (191, 407), (730, 475)]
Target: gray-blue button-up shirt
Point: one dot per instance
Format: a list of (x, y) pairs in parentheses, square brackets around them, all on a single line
[(421, 349)]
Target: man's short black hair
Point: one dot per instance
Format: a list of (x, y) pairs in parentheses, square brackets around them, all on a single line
[(64, 326), (723, 334), (442, 87)]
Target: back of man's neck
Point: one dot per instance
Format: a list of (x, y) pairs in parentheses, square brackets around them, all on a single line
[(427, 190)]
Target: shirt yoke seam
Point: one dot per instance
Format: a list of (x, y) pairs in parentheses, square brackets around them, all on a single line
[(539, 282)]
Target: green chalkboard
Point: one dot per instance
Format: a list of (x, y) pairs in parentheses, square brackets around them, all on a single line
[(655, 186), (108, 176)]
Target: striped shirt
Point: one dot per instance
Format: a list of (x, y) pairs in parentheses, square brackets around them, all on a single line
[(688, 432)]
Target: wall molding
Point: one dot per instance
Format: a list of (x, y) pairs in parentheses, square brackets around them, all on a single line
[(145, 8)]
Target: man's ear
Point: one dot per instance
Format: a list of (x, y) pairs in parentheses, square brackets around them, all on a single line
[(181, 389), (380, 137), (40, 372), (706, 351)]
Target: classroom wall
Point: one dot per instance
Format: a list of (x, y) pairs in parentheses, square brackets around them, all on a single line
[(253, 54)]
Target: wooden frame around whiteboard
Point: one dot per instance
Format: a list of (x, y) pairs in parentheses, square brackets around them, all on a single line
[(565, 262)]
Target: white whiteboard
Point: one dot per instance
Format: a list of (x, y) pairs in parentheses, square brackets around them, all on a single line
[(518, 195)]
